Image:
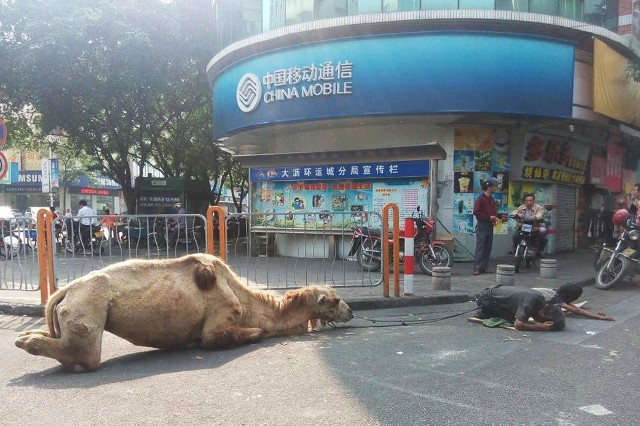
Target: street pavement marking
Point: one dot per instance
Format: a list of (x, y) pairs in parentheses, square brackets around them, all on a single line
[(596, 410)]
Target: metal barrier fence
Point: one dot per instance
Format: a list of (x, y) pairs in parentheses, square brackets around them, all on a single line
[(18, 261), (80, 248), (290, 250), (275, 251)]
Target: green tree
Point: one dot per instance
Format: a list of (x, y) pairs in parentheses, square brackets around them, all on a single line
[(124, 79)]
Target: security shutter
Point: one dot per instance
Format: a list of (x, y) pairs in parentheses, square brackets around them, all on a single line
[(565, 218)]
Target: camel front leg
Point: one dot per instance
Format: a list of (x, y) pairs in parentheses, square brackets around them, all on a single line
[(78, 349)]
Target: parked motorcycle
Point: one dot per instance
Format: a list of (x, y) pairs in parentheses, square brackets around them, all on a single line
[(615, 264), (526, 249), (367, 246), (76, 243)]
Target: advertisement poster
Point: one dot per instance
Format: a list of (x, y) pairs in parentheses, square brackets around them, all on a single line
[(334, 204), (479, 154)]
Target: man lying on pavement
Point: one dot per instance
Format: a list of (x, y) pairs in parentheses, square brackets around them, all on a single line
[(517, 306), (565, 295)]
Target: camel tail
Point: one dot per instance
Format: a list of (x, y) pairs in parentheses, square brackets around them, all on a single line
[(50, 314)]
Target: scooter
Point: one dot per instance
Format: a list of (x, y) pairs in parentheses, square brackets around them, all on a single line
[(615, 264), (367, 246), (76, 243), (526, 248)]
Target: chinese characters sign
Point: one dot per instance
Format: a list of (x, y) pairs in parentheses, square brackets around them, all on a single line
[(553, 160), (342, 171), (613, 181)]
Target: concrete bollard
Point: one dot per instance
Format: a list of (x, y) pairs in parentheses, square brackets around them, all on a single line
[(548, 268), (505, 274), (441, 277)]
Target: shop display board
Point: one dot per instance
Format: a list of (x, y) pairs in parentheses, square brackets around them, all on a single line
[(479, 154), (339, 199)]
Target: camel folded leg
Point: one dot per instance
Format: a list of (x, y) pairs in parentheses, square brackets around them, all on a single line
[(230, 337), (35, 332)]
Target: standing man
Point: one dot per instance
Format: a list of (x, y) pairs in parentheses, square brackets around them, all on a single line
[(86, 217), (485, 210), (634, 210)]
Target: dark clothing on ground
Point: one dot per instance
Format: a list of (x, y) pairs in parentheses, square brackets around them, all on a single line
[(509, 303)]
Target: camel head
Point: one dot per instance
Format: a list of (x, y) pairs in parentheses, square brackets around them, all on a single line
[(331, 308)]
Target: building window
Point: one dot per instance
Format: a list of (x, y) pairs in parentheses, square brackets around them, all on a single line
[(326, 9), (299, 11), (362, 7), (439, 4), (400, 5), (545, 7), (477, 4), (513, 5)]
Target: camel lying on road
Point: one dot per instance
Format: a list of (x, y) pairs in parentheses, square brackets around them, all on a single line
[(173, 303)]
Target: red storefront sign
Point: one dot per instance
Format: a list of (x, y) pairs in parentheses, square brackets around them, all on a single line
[(598, 170), (613, 181)]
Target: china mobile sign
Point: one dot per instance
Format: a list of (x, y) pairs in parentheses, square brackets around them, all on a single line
[(286, 84)]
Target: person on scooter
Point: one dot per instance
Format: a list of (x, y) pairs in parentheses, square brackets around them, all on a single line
[(86, 217), (530, 210)]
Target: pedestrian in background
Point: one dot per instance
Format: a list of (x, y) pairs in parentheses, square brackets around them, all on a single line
[(485, 210)]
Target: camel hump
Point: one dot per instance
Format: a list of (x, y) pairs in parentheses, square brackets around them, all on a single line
[(205, 276)]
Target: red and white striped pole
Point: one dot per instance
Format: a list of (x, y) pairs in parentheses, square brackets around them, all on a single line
[(409, 231)]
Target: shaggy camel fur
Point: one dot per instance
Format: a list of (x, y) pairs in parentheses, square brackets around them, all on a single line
[(174, 303)]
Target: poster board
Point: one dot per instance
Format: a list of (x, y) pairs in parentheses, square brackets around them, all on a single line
[(313, 199)]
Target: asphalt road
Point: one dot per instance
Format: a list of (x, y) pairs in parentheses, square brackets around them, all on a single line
[(432, 371)]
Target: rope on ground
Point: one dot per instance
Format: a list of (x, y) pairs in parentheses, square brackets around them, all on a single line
[(406, 322)]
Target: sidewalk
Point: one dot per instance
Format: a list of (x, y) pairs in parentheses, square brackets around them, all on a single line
[(572, 267)]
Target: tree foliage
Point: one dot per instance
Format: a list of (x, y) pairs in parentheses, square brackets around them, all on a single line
[(125, 79)]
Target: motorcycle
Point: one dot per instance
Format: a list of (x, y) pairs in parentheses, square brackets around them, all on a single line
[(526, 249), (76, 243), (367, 246), (613, 265)]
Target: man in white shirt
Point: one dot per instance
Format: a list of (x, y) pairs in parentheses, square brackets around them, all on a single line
[(86, 217)]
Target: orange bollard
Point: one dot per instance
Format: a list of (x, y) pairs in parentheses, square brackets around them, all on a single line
[(222, 231), (44, 235), (396, 249)]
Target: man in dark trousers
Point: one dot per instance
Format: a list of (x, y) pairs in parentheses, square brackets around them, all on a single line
[(485, 210), (518, 305)]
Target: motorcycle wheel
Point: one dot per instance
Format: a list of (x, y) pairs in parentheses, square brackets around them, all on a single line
[(98, 246), (518, 263), (608, 277), (366, 255), (68, 246), (442, 258)]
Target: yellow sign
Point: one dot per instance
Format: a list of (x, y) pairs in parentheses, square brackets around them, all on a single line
[(615, 95)]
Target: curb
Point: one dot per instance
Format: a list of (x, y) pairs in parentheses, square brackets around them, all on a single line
[(22, 310), (361, 304)]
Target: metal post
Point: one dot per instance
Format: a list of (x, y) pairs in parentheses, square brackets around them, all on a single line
[(433, 198)]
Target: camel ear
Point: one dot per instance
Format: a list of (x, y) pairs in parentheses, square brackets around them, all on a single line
[(322, 299)]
